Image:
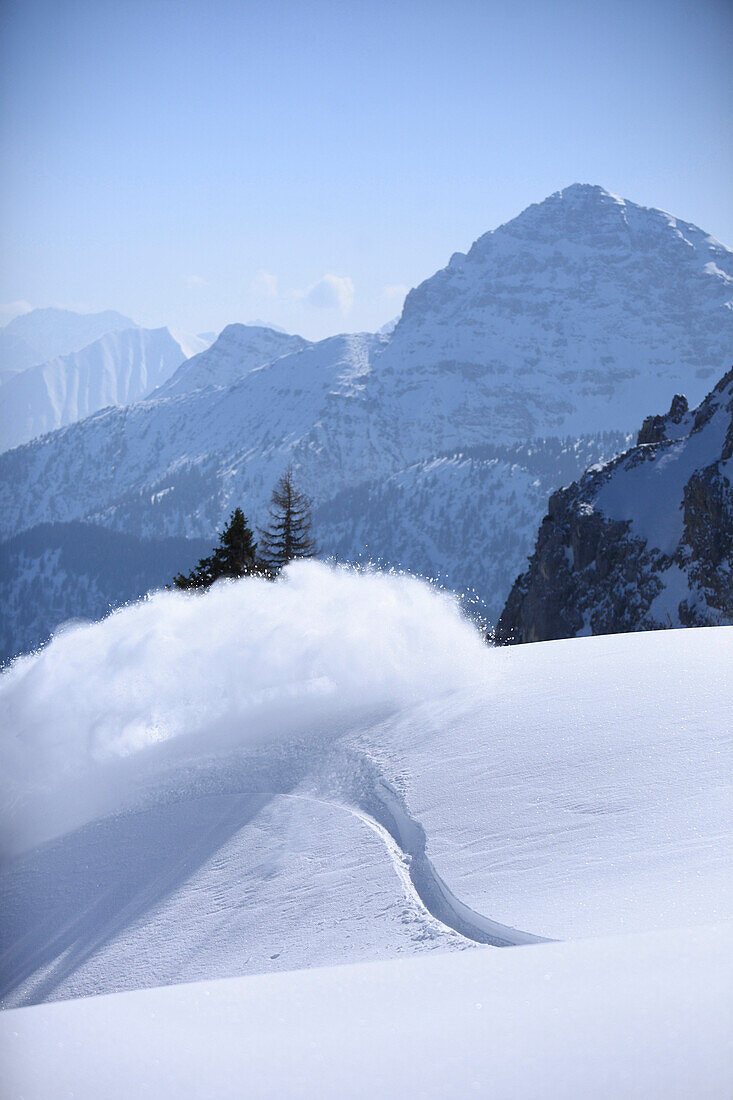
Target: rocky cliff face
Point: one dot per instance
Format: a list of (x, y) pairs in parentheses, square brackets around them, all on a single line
[(642, 543)]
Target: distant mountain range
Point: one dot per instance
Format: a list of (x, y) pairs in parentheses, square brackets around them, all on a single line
[(118, 368), (121, 366), (44, 334), (509, 370)]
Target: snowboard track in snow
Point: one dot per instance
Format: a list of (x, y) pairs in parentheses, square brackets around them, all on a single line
[(373, 800), (42, 949)]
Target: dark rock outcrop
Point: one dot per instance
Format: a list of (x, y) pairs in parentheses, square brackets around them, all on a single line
[(642, 543), (655, 428)]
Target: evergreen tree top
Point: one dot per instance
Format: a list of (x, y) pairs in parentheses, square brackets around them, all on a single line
[(235, 556), (288, 535)]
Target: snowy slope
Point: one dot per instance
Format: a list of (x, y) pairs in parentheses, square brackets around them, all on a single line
[(44, 334), (173, 464), (335, 768), (239, 349), (638, 1016), (119, 368)]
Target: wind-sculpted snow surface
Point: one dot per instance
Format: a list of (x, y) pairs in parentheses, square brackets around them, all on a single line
[(624, 1018), (334, 767)]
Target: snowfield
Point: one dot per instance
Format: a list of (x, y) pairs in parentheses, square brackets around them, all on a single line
[(639, 1016), (335, 769)]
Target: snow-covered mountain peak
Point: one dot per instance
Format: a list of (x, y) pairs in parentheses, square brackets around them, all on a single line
[(542, 334), (238, 350), (566, 318), (587, 214)]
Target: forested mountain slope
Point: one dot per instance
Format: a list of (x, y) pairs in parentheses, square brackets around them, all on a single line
[(61, 571)]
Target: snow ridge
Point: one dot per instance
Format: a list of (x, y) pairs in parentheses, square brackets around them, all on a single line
[(212, 801), (382, 807)]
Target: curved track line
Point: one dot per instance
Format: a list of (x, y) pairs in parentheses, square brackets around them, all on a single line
[(383, 811)]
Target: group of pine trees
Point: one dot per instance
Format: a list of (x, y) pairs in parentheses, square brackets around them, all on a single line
[(287, 536)]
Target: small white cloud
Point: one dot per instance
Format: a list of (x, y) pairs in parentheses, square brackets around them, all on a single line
[(395, 293), (193, 282), (8, 310), (264, 284), (330, 292)]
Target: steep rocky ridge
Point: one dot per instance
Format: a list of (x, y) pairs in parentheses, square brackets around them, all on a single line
[(642, 543)]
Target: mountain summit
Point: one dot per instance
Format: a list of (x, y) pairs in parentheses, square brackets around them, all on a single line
[(576, 316), (237, 350)]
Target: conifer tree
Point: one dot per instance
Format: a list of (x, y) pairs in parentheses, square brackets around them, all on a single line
[(288, 535), (235, 556)]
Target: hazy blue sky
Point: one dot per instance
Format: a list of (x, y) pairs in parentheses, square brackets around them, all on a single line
[(197, 163)]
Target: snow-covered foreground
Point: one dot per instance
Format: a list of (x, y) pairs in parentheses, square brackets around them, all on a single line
[(333, 769), (647, 1015)]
